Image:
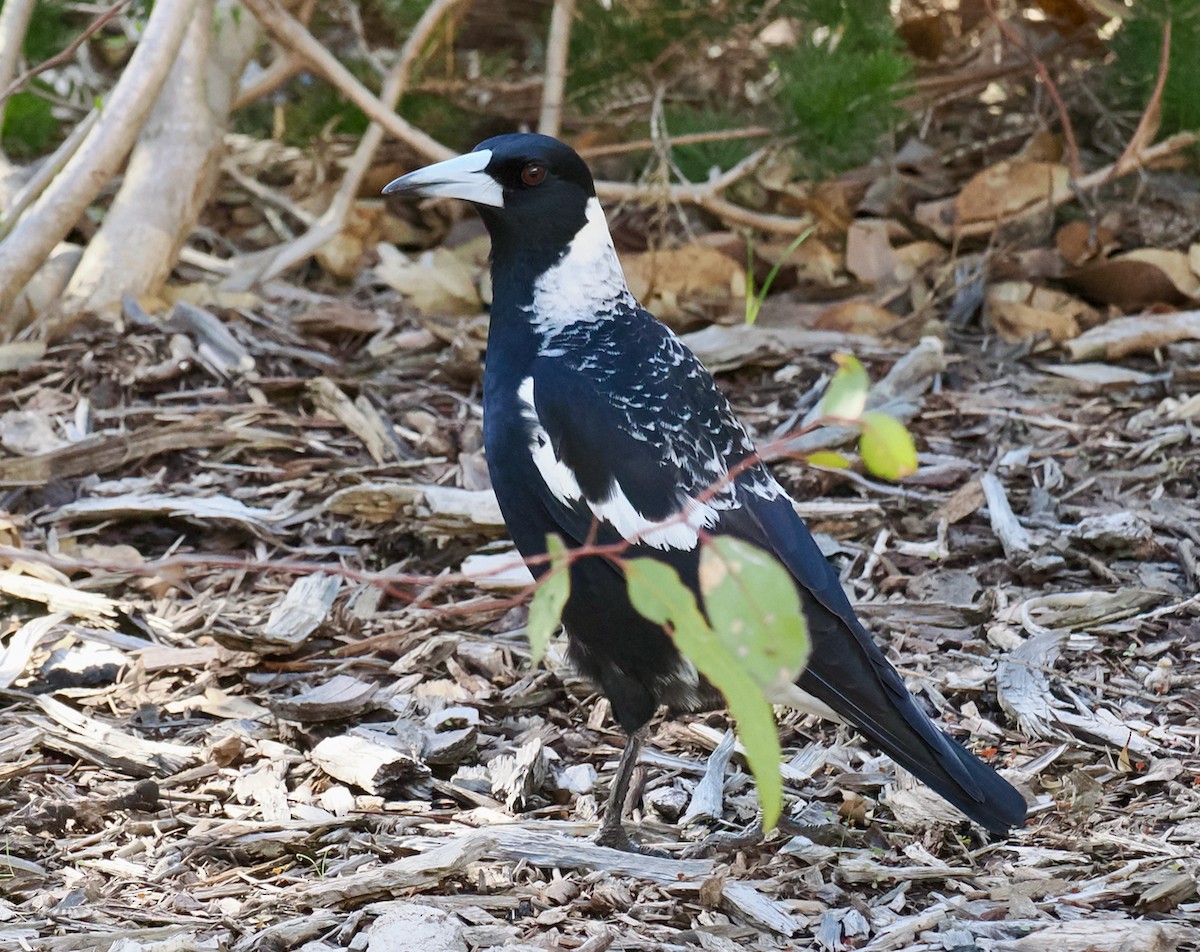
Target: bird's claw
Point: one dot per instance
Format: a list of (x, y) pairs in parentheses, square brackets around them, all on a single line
[(616, 838), (726, 841)]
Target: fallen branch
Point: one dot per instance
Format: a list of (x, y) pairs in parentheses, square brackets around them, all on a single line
[(263, 266), (99, 157), (293, 36), (1136, 334)]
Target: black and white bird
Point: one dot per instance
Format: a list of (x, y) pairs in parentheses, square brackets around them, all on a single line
[(600, 425)]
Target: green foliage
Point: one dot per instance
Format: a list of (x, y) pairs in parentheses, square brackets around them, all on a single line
[(756, 296), (696, 160), (49, 30), (757, 640), (885, 445), (30, 128), (841, 84), (545, 611), (1138, 45)]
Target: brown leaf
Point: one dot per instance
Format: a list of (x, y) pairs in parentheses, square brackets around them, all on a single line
[(1079, 242), (667, 280), (1138, 279), (856, 317), (1008, 188), (869, 253), (1018, 309)]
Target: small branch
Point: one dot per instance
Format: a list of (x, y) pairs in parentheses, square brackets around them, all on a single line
[(1147, 127), (1073, 160), (44, 174), (66, 54), (943, 209), (274, 262), (281, 69), (14, 24), (557, 44), (99, 157), (688, 138), (293, 36)]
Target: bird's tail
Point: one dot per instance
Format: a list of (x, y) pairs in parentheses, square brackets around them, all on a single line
[(850, 674)]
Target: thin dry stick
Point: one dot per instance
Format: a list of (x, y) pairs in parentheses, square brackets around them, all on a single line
[(285, 256), (69, 51), (293, 37), (557, 44), (687, 138), (1147, 127), (98, 158), (1073, 161), (974, 229)]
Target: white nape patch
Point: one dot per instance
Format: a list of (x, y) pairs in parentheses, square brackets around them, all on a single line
[(460, 177), (681, 531), (587, 281)]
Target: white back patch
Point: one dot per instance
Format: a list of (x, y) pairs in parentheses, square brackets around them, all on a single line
[(586, 283)]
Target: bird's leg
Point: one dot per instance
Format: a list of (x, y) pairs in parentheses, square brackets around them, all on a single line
[(612, 830)]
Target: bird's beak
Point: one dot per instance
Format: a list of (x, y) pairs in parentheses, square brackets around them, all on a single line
[(463, 176)]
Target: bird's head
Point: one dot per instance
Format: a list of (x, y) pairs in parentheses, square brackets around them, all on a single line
[(527, 187)]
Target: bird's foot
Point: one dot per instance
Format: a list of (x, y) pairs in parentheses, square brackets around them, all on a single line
[(615, 838), (727, 841)]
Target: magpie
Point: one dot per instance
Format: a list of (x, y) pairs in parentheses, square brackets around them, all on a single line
[(601, 426)]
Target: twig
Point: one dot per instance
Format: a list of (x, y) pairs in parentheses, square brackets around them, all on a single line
[(557, 43), (1073, 161), (265, 266), (293, 36), (99, 157), (943, 209), (688, 138), (69, 51), (282, 68), (14, 23), (1147, 127)]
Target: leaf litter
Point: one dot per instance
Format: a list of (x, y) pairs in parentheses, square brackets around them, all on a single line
[(265, 675)]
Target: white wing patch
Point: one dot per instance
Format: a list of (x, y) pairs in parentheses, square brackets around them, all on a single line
[(681, 531)]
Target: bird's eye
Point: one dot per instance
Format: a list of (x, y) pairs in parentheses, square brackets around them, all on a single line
[(534, 173)]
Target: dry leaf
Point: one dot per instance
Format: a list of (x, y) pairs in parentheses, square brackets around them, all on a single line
[(437, 281), (1079, 242), (1138, 279), (1018, 309), (869, 253), (1008, 188), (856, 317), (695, 274)]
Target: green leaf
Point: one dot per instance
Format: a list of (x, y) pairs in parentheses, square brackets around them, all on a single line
[(886, 446), (754, 608), (830, 459), (545, 611), (657, 593), (846, 395)]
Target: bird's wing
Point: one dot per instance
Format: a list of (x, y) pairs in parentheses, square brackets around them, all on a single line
[(646, 462)]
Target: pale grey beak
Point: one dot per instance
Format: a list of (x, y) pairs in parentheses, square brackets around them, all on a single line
[(460, 177)]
